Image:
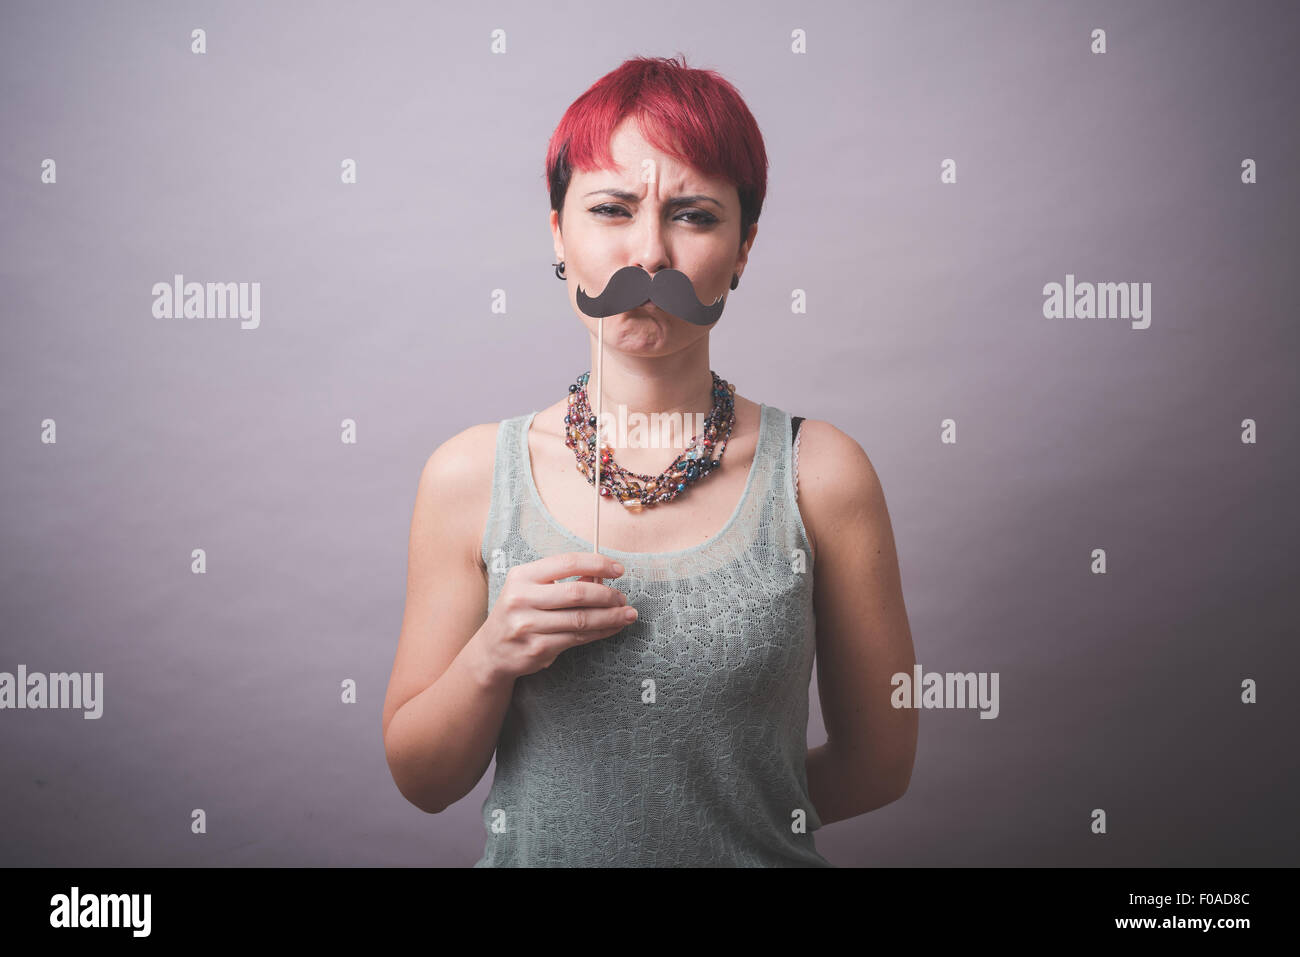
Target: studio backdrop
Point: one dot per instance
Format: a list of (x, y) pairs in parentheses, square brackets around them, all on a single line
[(1036, 258)]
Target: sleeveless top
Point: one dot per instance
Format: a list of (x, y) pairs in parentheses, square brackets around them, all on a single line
[(681, 740)]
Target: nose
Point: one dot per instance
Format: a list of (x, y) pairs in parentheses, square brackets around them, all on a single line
[(651, 251)]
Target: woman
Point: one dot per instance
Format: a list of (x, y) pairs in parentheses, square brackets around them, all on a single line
[(659, 720)]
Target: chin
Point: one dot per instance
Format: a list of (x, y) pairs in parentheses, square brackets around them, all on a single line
[(639, 338)]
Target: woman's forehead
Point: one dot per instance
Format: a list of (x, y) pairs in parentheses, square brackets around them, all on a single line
[(667, 181), (634, 155)]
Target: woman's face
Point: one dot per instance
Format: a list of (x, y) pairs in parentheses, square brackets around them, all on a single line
[(653, 212)]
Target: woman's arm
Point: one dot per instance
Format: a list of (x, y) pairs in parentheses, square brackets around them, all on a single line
[(442, 713), (863, 637)]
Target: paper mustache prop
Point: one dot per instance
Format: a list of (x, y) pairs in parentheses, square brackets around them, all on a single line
[(631, 286), (669, 289)]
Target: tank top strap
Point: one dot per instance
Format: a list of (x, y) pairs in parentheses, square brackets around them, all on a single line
[(506, 488), (787, 522)]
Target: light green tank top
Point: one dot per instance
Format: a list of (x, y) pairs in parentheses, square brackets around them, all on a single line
[(681, 740)]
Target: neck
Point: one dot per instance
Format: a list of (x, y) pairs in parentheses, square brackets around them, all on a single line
[(680, 382)]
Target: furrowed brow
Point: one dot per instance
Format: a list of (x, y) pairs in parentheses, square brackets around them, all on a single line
[(629, 197)]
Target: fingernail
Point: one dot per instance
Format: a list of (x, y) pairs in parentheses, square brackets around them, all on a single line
[(618, 568)]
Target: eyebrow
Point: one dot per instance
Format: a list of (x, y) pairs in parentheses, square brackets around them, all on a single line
[(628, 197)]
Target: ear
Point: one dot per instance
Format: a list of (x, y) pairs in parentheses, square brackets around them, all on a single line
[(556, 237), (745, 246)]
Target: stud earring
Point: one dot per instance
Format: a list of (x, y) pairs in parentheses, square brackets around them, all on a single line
[(559, 270)]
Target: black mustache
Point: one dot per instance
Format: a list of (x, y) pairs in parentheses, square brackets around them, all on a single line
[(669, 289)]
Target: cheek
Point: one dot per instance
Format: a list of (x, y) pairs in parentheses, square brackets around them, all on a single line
[(712, 277), (591, 276)]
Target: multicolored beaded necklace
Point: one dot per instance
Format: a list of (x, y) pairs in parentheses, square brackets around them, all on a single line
[(632, 489)]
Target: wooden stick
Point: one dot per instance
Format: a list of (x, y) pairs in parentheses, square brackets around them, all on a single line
[(600, 406)]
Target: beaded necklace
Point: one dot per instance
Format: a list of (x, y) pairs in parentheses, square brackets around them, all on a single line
[(636, 491)]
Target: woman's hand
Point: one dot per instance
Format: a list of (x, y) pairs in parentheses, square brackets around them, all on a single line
[(536, 617)]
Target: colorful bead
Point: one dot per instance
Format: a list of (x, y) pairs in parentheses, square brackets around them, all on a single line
[(641, 491)]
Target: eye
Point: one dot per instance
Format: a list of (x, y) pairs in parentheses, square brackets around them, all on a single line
[(696, 217), (704, 218)]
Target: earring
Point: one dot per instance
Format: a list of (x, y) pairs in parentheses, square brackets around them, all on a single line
[(559, 270), (735, 280)]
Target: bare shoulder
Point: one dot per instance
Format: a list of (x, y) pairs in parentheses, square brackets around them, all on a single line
[(455, 488), (466, 454), (838, 485)]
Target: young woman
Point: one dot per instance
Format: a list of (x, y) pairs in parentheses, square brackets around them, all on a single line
[(660, 719)]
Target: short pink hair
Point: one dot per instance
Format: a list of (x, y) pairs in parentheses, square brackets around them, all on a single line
[(693, 115)]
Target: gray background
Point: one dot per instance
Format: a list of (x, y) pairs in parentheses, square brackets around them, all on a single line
[(222, 690)]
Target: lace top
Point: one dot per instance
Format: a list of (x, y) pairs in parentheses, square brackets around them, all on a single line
[(681, 740)]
